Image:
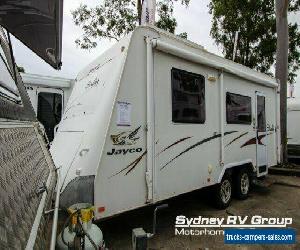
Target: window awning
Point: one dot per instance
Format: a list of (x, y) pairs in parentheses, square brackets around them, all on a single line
[(36, 23)]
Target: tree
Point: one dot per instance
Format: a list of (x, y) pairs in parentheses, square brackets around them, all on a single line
[(282, 67), (115, 18), (256, 22)]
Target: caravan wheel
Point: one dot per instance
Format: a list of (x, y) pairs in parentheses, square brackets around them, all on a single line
[(223, 193), (242, 184)]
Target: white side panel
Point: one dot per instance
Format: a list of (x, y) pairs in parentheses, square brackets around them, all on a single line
[(66, 153), (188, 155), (243, 144), (120, 183), (261, 133), (88, 113), (272, 132), (180, 168)]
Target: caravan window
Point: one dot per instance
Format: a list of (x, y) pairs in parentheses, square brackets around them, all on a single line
[(261, 114), (238, 109), (8, 87), (49, 111), (188, 97)]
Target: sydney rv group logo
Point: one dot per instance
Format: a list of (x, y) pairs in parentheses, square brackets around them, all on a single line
[(125, 138), (215, 226)]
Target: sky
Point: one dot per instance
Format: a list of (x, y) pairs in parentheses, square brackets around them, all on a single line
[(195, 20)]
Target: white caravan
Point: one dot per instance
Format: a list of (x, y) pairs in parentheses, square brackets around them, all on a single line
[(156, 116), (49, 96), (293, 122)]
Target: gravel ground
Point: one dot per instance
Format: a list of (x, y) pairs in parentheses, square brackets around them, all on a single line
[(277, 196)]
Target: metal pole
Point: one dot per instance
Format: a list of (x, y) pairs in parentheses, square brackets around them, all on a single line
[(37, 220), (55, 217), (222, 116), (150, 120)]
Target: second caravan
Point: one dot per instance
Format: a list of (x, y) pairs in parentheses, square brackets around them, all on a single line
[(48, 96), (156, 116)]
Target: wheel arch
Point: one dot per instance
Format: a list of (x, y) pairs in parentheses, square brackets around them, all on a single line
[(229, 168)]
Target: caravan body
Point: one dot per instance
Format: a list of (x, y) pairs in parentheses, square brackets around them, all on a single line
[(293, 121), (156, 116), (48, 96)]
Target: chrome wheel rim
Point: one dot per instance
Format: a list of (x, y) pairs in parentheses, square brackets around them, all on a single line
[(225, 191), (244, 183)]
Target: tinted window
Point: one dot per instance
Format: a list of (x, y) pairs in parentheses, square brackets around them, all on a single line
[(261, 114), (49, 111), (8, 87), (188, 97), (238, 109)]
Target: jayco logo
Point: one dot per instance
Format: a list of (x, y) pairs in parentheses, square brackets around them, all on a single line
[(126, 138), (124, 151)]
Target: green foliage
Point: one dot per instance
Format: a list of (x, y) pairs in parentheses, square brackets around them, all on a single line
[(166, 20), (294, 5), (115, 18), (294, 51), (111, 20), (256, 22), (183, 35)]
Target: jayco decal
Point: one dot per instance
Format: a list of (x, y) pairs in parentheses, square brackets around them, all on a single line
[(196, 145), (131, 166), (126, 138), (173, 144), (253, 140), (124, 151), (235, 139)]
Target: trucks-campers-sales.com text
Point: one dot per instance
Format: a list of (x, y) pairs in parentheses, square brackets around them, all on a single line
[(188, 226)]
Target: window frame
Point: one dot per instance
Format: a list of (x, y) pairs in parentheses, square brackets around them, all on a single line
[(202, 121), (260, 129), (238, 122), (6, 92)]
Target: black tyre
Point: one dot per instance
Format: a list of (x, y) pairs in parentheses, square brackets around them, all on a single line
[(242, 184), (223, 193)]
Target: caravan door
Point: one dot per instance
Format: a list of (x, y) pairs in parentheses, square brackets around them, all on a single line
[(261, 134)]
